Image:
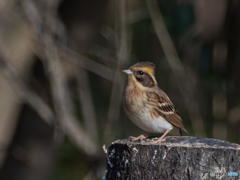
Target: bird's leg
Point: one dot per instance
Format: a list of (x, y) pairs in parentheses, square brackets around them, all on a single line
[(162, 138), (140, 137)]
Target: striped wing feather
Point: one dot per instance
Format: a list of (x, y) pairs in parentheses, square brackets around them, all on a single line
[(165, 108)]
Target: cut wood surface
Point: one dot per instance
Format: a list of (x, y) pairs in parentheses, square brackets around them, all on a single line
[(176, 158)]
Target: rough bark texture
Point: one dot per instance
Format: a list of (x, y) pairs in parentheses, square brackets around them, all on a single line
[(177, 158)]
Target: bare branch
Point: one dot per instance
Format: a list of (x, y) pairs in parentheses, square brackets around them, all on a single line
[(42, 109), (62, 100), (46, 30), (65, 52), (86, 63), (185, 87), (123, 50), (70, 126), (87, 104)]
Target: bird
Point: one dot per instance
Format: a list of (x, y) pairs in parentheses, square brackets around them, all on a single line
[(148, 106)]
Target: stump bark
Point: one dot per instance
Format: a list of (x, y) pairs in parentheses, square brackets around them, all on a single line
[(176, 158)]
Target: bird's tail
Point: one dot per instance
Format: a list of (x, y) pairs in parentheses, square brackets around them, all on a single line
[(181, 131)]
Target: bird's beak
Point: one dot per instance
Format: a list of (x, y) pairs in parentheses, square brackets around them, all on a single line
[(127, 71)]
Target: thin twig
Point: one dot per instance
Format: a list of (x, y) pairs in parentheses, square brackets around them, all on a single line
[(87, 106), (185, 87), (46, 30), (62, 100), (77, 59), (42, 109), (122, 57), (81, 61)]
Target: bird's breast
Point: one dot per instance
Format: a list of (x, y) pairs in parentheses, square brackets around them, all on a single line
[(141, 114)]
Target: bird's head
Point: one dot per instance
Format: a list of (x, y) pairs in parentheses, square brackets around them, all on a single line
[(143, 74)]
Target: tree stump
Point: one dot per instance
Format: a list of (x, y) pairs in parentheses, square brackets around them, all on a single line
[(176, 158)]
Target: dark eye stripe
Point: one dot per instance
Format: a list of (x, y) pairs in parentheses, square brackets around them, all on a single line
[(145, 79), (140, 79)]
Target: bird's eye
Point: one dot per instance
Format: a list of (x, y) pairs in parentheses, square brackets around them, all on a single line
[(140, 72)]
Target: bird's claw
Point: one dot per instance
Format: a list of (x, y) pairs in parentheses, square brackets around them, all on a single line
[(140, 137)]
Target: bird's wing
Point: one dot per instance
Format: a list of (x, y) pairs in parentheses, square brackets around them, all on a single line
[(163, 106)]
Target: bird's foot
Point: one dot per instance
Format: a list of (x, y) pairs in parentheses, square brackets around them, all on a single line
[(159, 140), (140, 137), (162, 138)]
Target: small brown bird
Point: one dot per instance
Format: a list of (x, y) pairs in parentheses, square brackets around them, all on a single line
[(147, 105)]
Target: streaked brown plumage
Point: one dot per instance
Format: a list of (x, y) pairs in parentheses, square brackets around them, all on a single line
[(146, 104)]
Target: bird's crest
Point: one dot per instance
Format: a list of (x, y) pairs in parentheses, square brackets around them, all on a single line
[(146, 66)]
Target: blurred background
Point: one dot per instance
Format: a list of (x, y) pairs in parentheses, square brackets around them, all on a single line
[(61, 85)]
